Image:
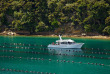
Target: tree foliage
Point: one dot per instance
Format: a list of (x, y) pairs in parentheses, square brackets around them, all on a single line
[(48, 15), (107, 30)]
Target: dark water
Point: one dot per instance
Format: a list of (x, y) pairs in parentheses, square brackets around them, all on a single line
[(29, 55)]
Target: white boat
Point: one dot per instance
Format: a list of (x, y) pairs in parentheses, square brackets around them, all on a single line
[(66, 43)]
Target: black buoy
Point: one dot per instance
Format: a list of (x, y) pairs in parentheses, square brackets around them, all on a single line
[(32, 58), (102, 64), (10, 69), (72, 61), (80, 62), (42, 59), (92, 63), (7, 69), (20, 57), (73, 55), (99, 64), (3, 69), (26, 71), (95, 63), (89, 56), (41, 72), (14, 70), (49, 59), (33, 72), (101, 57), (93, 56), (68, 61)]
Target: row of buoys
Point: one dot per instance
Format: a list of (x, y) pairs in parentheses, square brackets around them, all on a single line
[(97, 52), (22, 47), (95, 49), (32, 52), (32, 58), (24, 44), (64, 54), (46, 46), (54, 49), (88, 52), (25, 71), (52, 60)]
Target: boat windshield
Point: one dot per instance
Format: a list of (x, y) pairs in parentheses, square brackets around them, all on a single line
[(63, 42), (67, 42), (71, 42)]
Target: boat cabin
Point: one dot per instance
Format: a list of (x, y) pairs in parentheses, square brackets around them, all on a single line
[(68, 41)]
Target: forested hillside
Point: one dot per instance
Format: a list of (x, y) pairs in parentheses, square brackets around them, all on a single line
[(59, 16)]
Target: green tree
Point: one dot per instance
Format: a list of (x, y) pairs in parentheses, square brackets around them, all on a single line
[(55, 24), (107, 30), (49, 15), (41, 27), (107, 21), (87, 28)]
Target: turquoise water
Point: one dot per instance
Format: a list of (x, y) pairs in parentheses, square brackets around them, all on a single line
[(29, 55)]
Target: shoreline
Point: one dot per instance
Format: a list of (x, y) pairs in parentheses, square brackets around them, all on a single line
[(72, 36), (10, 33), (77, 36)]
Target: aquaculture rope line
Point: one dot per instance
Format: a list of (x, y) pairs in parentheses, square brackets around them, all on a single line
[(42, 59), (33, 52), (54, 49), (95, 49), (23, 44), (25, 71)]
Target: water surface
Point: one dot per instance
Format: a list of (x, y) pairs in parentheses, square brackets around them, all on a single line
[(30, 55)]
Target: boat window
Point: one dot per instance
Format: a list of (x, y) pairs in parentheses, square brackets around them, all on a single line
[(70, 42), (63, 42)]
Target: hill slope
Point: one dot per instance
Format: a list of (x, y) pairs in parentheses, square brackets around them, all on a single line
[(58, 16)]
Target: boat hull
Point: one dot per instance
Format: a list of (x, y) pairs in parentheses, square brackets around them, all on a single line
[(76, 45)]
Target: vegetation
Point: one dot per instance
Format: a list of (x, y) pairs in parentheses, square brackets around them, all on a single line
[(51, 15)]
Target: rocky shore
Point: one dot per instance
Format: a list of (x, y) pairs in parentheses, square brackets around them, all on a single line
[(80, 36), (8, 33), (53, 35), (72, 36)]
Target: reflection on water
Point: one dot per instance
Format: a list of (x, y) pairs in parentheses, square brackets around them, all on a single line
[(64, 51)]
